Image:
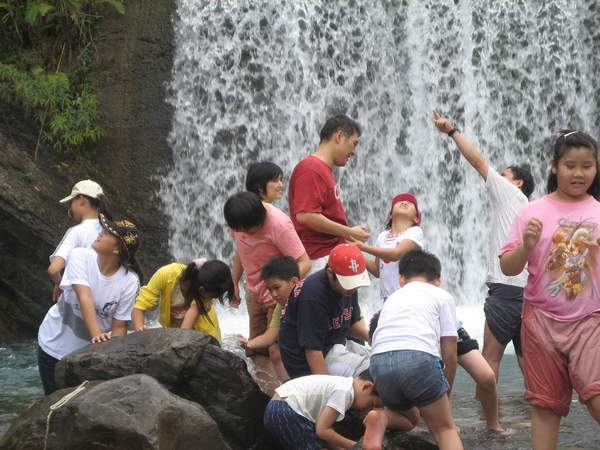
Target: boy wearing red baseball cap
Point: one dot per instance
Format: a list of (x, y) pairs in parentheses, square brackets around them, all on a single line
[(322, 312)]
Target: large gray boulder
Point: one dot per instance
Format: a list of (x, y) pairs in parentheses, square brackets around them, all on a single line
[(188, 363), (130, 413)]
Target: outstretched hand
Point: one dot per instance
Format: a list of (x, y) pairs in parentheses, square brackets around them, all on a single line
[(532, 234), (441, 123)]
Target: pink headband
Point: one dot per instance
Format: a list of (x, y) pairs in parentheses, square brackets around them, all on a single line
[(199, 262), (408, 198)]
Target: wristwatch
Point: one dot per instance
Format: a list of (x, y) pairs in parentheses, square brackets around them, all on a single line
[(452, 131)]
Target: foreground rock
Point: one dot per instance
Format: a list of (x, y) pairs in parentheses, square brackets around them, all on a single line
[(403, 441), (189, 364), (133, 412)]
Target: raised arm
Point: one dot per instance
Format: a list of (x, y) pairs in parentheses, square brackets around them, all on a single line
[(468, 150), (388, 254)]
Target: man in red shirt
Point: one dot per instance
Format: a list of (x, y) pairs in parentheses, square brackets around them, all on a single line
[(314, 197)]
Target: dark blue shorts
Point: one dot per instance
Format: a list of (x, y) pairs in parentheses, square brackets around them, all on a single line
[(291, 430), (407, 378)]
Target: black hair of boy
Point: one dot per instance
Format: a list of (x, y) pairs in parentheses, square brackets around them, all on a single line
[(244, 211), (259, 174), (523, 173), (419, 263), (337, 123), (280, 267), (373, 324)]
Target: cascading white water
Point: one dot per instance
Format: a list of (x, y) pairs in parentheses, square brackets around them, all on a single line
[(255, 80)]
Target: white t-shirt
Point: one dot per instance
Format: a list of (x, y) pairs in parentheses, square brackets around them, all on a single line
[(415, 318), (80, 235), (63, 329), (389, 279), (309, 395), (506, 200)]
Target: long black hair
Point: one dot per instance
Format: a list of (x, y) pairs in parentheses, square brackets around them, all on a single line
[(128, 260), (567, 140), (213, 276)]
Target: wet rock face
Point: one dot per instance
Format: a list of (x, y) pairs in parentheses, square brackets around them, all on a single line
[(188, 363), (133, 412)]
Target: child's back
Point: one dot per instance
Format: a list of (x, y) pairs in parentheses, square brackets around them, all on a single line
[(309, 395), (414, 318)]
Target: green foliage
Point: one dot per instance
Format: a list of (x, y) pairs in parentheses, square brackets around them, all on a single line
[(68, 119), (50, 45)]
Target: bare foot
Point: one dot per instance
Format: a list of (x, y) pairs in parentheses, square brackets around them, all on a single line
[(375, 424), (501, 432)]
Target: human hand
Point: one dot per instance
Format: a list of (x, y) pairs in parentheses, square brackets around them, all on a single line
[(143, 328), (441, 123), (242, 341), (360, 233), (532, 234), (359, 244), (102, 337), (56, 293), (235, 300)]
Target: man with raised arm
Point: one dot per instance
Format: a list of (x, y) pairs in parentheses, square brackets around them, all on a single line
[(314, 197), (507, 193)]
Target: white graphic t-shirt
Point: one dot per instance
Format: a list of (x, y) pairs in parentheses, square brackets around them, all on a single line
[(63, 330)]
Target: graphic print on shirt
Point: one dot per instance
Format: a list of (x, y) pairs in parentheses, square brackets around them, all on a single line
[(572, 259), (337, 322)]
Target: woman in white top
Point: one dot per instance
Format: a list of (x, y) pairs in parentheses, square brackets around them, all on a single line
[(100, 286), (85, 202), (402, 234)]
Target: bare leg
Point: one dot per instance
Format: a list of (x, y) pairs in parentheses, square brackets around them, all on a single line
[(474, 363), (544, 429), (492, 350), (438, 417), (593, 406)]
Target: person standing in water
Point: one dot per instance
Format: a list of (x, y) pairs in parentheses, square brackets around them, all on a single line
[(507, 192)]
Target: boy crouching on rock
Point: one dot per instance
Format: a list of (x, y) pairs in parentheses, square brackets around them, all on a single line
[(417, 325), (303, 411)]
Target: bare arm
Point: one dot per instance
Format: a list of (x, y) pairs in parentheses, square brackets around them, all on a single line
[(448, 345), (316, 362), (359, 331), (54, 269), (236, 275), (513, 262), (265, 340), (324, 430), (389, 254), (88, 311), (119, 327), (468, 150), (137, 319), (190, 318), (319, 222), (373, 266), (304, 265)]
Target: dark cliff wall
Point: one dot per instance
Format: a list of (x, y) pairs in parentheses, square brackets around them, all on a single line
[(129, 77)]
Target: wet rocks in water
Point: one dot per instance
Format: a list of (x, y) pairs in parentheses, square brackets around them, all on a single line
[(395, 440), (133, 412), (188, 363)]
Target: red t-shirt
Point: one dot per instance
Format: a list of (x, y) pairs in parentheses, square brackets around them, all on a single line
[(313, 190)]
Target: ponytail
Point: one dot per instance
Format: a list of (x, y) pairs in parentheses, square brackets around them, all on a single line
[(213, 277), (101, 204)]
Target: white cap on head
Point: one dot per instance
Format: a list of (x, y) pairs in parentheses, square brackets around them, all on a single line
[(88, 188)]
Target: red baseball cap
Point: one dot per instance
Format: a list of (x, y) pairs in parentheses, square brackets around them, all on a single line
[(348, 263), (406, 197)]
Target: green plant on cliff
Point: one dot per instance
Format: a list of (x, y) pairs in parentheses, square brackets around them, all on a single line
[(45, 69)]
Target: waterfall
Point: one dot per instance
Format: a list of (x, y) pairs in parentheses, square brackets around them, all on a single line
[(255, 80)]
